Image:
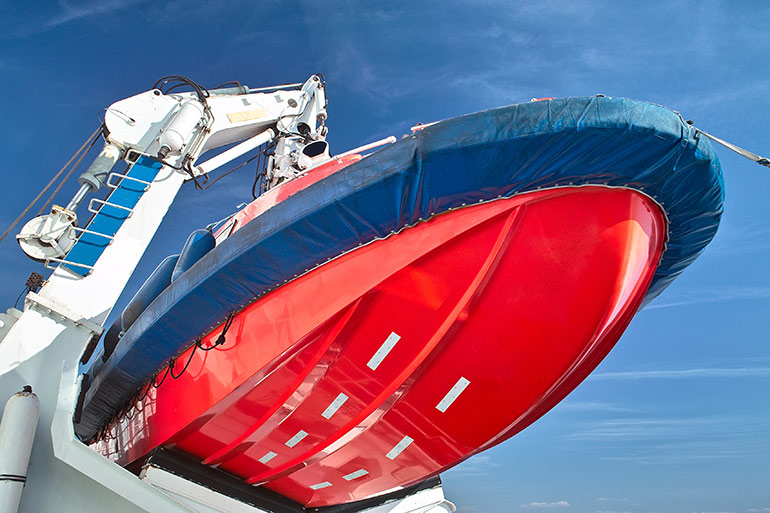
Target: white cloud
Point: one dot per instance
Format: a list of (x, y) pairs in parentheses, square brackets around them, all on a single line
[(638, 429), (665, 441), (713, 295), (478, 465), (591, 406), (748, 237), (466, 508), (71, 12), (758, 510), (556, 504), (708, 372)]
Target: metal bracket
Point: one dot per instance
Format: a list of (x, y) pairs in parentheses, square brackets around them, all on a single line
[(66, 262), (50, 306), (112, 185), (83, 230), (102, 202)]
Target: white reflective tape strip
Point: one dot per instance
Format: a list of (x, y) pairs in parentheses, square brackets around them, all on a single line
[(296, 438), (267, 457), (318, 486), (453, 394), (353, 475), (334, 406), (399, 448), (383, 351)]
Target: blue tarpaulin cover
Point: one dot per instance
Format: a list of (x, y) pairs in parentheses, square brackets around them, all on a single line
[(465, 160)]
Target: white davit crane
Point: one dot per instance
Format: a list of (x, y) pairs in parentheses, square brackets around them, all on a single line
[(41, 347)]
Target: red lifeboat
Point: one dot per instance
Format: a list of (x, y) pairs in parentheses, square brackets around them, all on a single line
[(385, 318), (408, 355)]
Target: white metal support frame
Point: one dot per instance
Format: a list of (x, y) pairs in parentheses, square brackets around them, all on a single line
[(44, 345)]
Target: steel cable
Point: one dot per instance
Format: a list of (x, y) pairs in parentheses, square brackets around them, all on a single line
[(762, 161), (66, 177), (90, 141)]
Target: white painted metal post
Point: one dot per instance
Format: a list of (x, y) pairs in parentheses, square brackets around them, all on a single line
[(234, 152), (17, 432)]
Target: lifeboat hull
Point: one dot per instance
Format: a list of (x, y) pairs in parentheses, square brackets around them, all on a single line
[(406, 356), (378, 320)]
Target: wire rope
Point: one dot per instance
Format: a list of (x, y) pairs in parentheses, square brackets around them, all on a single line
[(53, 180)]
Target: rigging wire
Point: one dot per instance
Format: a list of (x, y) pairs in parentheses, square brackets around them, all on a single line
[(187, 167), (234, 83), (221, 339), (88, 141), (201, 91), (64, 180), (23, 293), (172, 364), (762, 161), (260, 172), (236, 168), (130, 407)]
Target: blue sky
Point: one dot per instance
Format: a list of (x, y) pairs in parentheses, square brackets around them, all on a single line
[(677, 418)]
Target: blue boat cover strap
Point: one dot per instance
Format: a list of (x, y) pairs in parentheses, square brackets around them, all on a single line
[(462, 161)]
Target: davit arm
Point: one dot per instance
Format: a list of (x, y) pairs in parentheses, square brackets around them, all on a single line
[(178, 128)]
